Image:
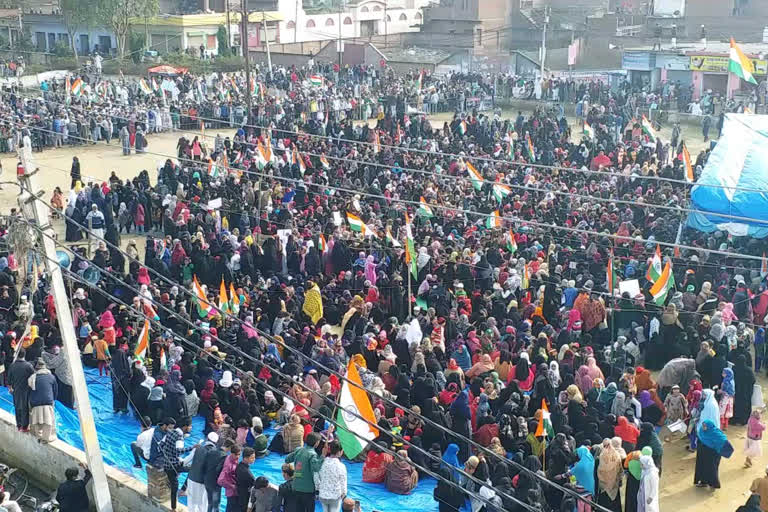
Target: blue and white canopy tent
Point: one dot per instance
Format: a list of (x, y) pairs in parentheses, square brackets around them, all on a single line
[(735, 180)]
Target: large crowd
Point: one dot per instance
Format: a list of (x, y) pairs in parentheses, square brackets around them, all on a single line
[(469, 272)]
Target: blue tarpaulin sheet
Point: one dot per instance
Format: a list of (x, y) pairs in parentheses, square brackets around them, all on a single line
[(735, 180), (117, 431)]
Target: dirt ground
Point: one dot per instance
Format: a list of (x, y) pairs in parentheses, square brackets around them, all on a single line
[(98, 161)]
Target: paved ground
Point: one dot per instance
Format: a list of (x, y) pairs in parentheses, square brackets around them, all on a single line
[(677, 490)]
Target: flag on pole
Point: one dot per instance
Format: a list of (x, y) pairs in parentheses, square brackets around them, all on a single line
[(223, 299), (391, 239), (424, 209), (463, 127), (419, 81), (163, 359), (500, 191), (477, 179), (357, 224), (494, 221), (316, 80), (654, 267), (545, 425), (648, 129), (663, 285), (297, 159), (355, 415), (763, 266), (322, 245), (150, 312), (144, 86), (77, 87), (531, 149), (741, 65), (376, 142), (512, 243), (689, 176), (143, 344), (235, 298), (588, 130), (155, 87), (410, 248), (203, 307), (611, 279), (252, 86), (324, 162)]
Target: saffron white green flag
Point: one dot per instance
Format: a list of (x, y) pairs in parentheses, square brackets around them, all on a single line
[(355, 415)]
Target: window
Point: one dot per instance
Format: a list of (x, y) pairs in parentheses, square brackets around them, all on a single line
[(347, 20), (403, 17), (364, 9), (291, 25), (310, 23), (376, 8), (210, 42), (329, 22)]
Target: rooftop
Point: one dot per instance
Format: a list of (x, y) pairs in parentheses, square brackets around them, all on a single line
[(712, 48), (416, 55)]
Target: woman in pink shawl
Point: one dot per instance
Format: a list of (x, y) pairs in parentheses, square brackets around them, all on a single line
[(574, 315), (107, 325), (728, 315), (594, 371), (370, 270), (583, 380), (143, 277)]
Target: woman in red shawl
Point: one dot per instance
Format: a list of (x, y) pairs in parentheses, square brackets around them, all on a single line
[(627, 432), (178, 254), (208, 392), (693, 385)]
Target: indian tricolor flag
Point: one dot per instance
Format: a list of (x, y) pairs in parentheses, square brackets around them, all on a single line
[(688, 166), (163, 359), (149, 311), (203, 307), (316, 80), (531, 149), (143, 344), (740, 65), (500, 191), (611, 279), (654, 266), (376, 142), (424, 209), (588, 130), (663, 285), (263, 155), (355, 417), (77, 87), (234, 298), (477, 180), (357, 224), (410, 248), (391, 239), (511, 242), (648, 129), (322, 245), (545, 425), (324, 162), (223, 299), (297, 159), (144, 86), (494, 221), (252, 86), (463, 127)]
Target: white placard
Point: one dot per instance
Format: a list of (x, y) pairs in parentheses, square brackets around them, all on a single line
[(631, 286)]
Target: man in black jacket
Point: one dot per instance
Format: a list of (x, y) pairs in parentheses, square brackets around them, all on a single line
[(214, 462), (72, 495), (197, 497), (18, 376)]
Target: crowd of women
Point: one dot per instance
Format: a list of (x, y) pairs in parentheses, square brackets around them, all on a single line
[(461, 268)]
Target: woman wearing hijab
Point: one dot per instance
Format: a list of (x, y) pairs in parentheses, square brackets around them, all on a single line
[(745, 383), (584, 470), (175, 404), (448, 497), (650, 410), (648, 494), (523, 373), (609, 473), (462, 416), (451, 461), (627, 432), (607, 397), (620, 404), (712, 446), (648, 437)]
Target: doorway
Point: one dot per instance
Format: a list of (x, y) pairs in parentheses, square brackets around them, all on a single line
[(85, 47)]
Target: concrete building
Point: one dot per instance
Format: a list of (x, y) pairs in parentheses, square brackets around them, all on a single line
[(465, 24), (694, 65), (49, 30)]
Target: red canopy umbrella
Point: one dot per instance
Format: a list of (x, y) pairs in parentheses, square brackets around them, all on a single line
[(167, 70)]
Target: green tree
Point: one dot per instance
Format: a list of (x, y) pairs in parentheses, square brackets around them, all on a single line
[(77, 16), (221, 37), (118, 15)]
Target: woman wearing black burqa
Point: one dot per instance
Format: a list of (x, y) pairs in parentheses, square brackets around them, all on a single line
[(742, 401), (461, 416), (121, 379)]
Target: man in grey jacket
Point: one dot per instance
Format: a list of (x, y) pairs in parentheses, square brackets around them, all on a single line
[(197, 497)]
